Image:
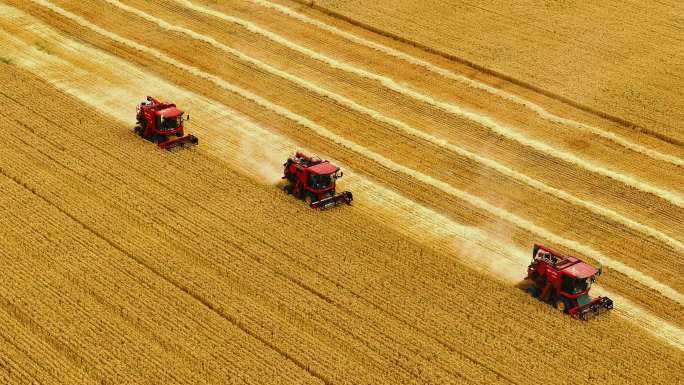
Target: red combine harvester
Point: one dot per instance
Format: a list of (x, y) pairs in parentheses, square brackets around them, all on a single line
[(565, 281), (158, 121), (313, 180)]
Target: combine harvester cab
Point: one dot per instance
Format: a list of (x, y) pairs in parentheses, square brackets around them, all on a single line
[(159, 122), (565, 281), (314, 180)]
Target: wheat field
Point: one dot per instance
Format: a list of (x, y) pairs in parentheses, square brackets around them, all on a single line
[(125, 264)]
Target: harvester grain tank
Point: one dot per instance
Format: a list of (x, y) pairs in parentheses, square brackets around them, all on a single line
[(159, 122), (314, 180), (564, 282)]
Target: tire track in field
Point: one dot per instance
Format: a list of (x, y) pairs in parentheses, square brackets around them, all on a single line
[(392, 52), (498, 128), (534, 183), (389, 164), (439, 227), (16, 364)]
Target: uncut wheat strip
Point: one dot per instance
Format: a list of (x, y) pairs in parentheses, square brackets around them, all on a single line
[(87, 99), (534, 183), (461, 361), (222, 210), (76, 199), (437, 294), (321, 131), (206, 244), (541, 111), (46, 361), (380, 337), (450, 307), (228, 209), (454, 310), (52, 297), (56, 330), (192, 332), (29, 138), (671, 336), (18, 352)]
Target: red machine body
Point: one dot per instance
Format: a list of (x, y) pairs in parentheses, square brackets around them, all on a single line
[(314, 180), (158, 122), (564, 281)]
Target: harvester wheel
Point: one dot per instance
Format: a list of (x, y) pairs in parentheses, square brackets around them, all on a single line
[(309, 199), (562, 305), (288, 189)]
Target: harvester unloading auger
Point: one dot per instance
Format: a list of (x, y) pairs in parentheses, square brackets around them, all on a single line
[(158, 121), (564, 282), (314, 180)]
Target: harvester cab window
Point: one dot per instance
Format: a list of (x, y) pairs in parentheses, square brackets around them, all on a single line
[(574, 285), (170, 123), (318, 181)]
